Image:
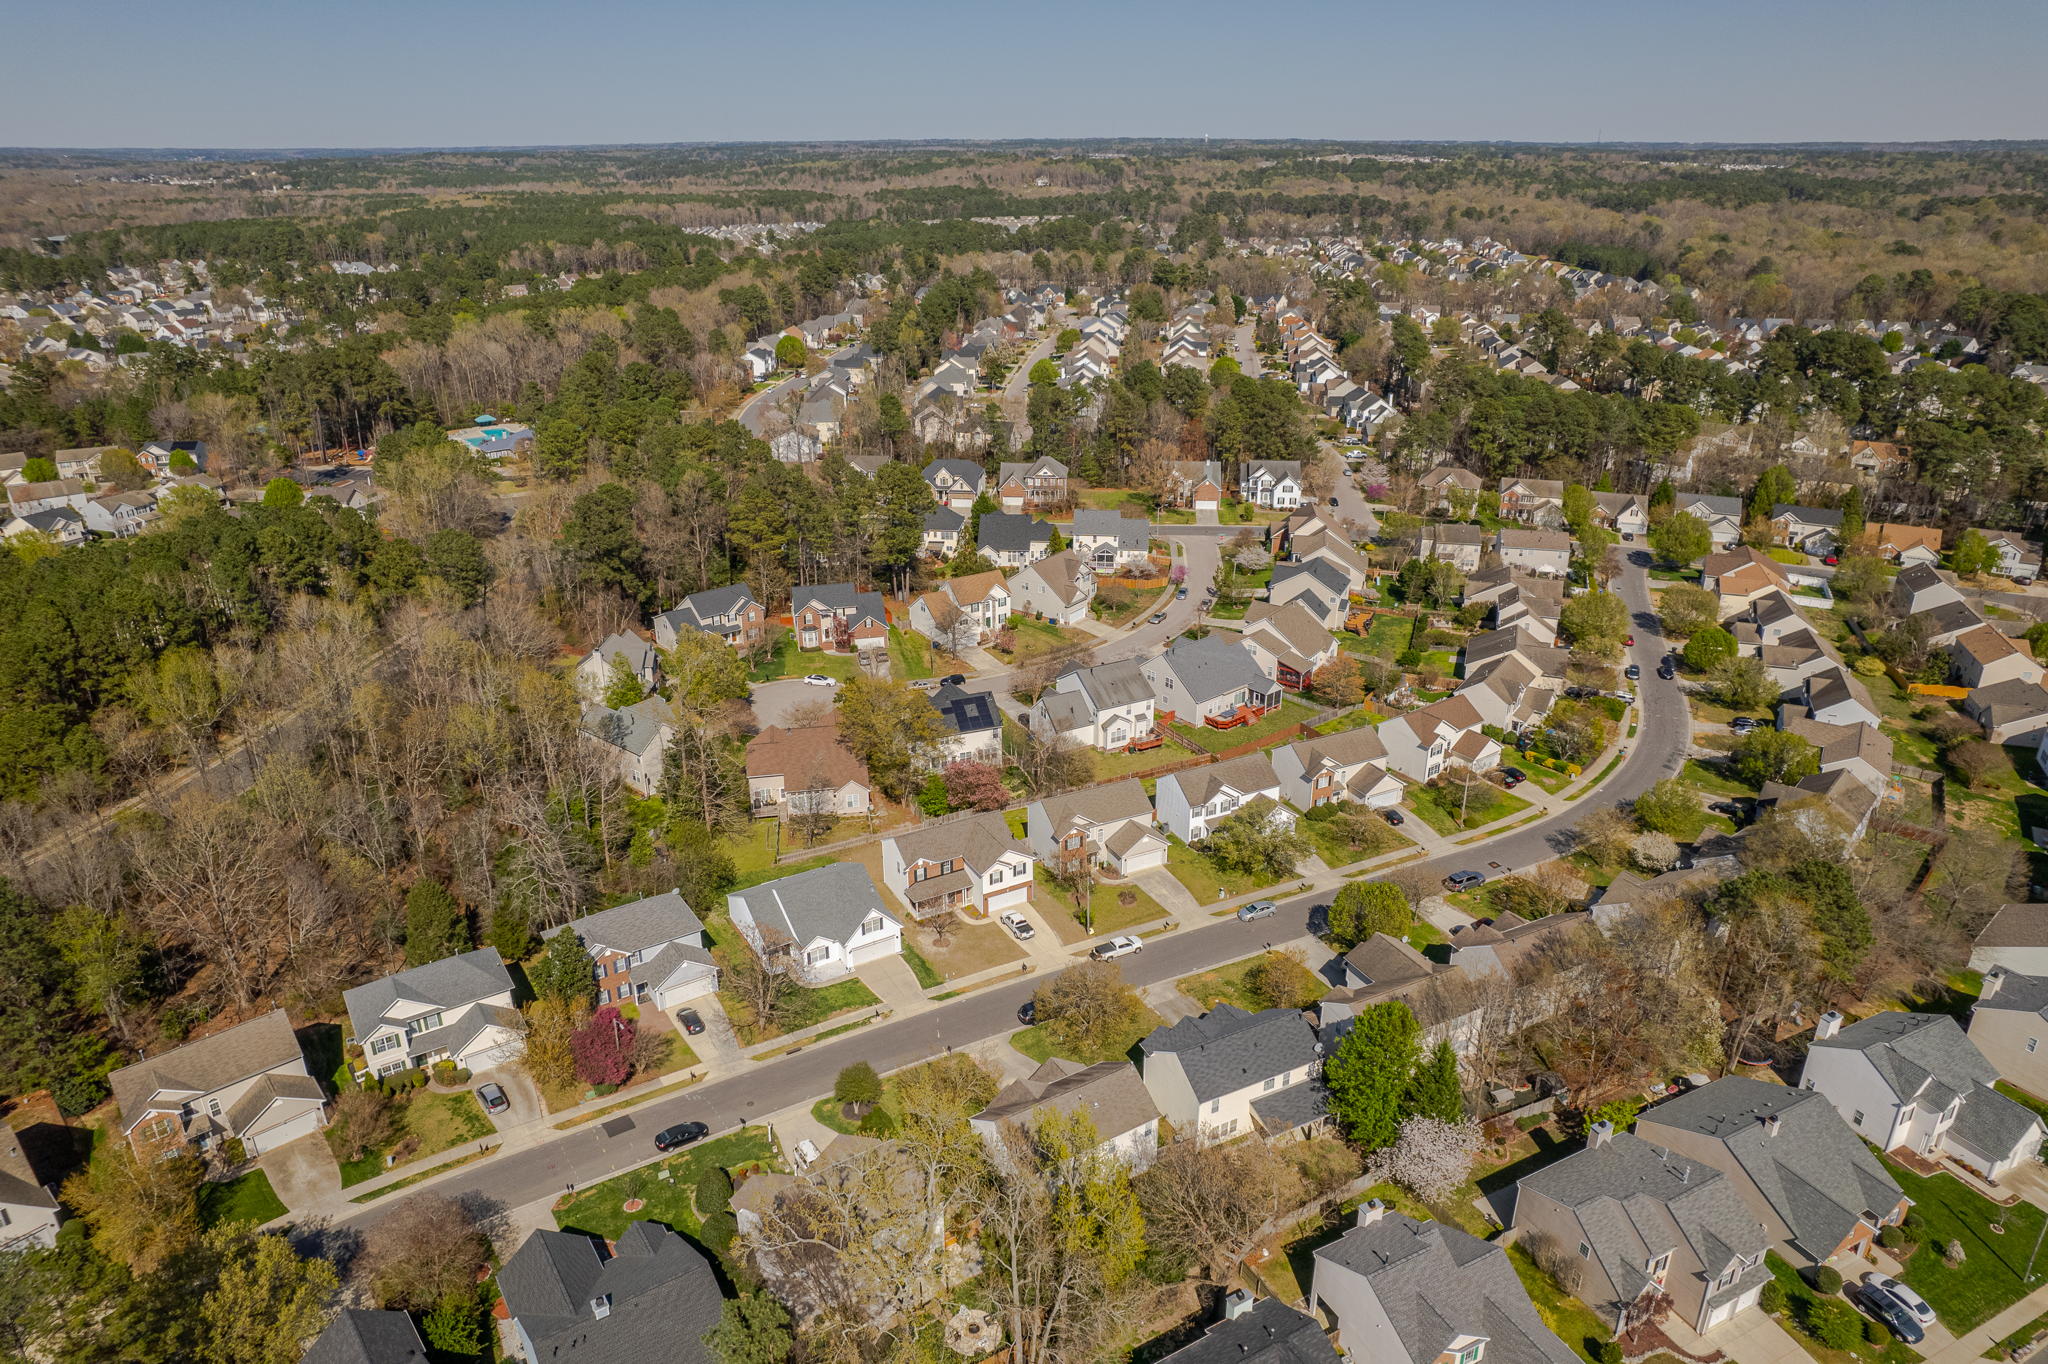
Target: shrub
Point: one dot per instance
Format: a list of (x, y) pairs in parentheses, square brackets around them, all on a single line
[(1827, 1280), (878, 1123), (1608, 1352), (416, 1077), (1772, 1299), (714, 1191), (718, 1231), (1834, 1324), (1877, 1333), (1891, 1238)]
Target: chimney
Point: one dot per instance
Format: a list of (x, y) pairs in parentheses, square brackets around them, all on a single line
[(1993, 978), (1827, 1026), (1371, 1211), (1599, 1134), (1236, 1303), (1772, 1122)]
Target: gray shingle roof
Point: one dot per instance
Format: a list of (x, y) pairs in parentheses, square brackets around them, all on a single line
[(1113, 684), (637, 926), (1992, 1124), (208, 1064), (1013, 532), (662, 1296), (1213, 666), (1271, 1333), (1226, 1049), (1246, 775), (358, 1336), (449, 983), (1924, 1057), (1330, 576), (842, 599), (1130, 532), (827, 902), (1111, 1094), (1284, 1110), (635, 728)]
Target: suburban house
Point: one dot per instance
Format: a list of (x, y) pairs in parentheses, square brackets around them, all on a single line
[(1900, 544), (24, 499), (1341, 766), (1835, 696), (805, 771), (456, 1009), (1922, 587), (1842, 797), (818, 925), (1799, 1168), (1112, 1095), (973, 727), (650, 951), (361, 1335), (1013, 539), (942, 530), (1310, 541), (1740, 576), (1113, 825), (1264, 1332), (839, 618), (955, 483), (1944, 623), (731, 613), (2017, 557), (971, 863), (1722, 515), (1655, 1232), (248, 1083), (649, 1293), (959, 612), (2009, 1023), (1812, 530), (1191, 803), (1106, 707), (1533, 501), (2015, 938), (1439, 483), (636, 738), (1455, 543), (1274, 483), (1211, 681), (1862, 750), (626, 654), (1423, 742), (1626, 514), (1032, 485), (28, 1204), (1057, 588), (1517, 597), (1322, 588), (1427, 1293), (1512, 677), (1547, 552), (1220, 1074), (1109, 540), (1983, 657), (1197, 484), (2009, 710), (1916, 1082), (1288, 642), (121, 515)]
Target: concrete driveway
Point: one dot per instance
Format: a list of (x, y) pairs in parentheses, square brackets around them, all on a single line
[(303, 1172), (893, 982), (718, 1044), (520, 1092), (776, 702)]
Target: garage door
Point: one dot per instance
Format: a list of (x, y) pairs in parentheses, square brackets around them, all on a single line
[(305, 1125), (1008, 899), (493, 1056), (1205, 505), (1717, 1315)]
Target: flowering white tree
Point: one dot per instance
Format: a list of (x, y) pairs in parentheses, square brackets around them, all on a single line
[(1430, 1158), (1654, 851)]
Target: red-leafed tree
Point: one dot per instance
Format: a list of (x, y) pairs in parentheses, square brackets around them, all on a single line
[(604, 1048), (975, 784)]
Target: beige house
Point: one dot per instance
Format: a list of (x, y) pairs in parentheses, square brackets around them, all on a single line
[(1057, 588), (247, 1084), (969, 864), (806, 771), (1112, 824)]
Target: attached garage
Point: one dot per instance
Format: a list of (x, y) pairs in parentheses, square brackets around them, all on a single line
[(304, 1124)]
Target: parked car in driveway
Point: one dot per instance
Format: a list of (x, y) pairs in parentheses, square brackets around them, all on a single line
[(1511, 777), (691, 1021), (1465, 880), (681, 1135), (819, 680), (1019, 926), (1393, 817), (1904, 1296), (1257, 909), (1121, 945), (1742, 724), (1890, 1310), (492, 1096)]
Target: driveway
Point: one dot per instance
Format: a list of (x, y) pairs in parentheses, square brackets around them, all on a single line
[(1173, 897), (303, 1172), (520, 1092), (718, 1044), (893, 981), (1751, 1337), (776, 702)]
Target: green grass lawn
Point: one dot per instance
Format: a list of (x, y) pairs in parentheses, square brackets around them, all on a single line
[(1202, 877), (1423, 935), (1107, 910), (426, 1124), (245, 1198), (1035, 637), (911, 654), (1800, 1297), (1537, 773), (1288, 713), (1356, 718), (807, 1008), (1438, 807), (1988, 1279), (926, 974), (1232, 984), (786, 660), (1714, 779), (600, 1209), (753, 855), (1125, 500), (1569, 1319), (1116, 766), (1444, 661), (1787, 556), (1335, 849), (1041, 1046), (1387, 636)]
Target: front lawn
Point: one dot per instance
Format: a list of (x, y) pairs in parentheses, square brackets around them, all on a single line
[(1041, 1046), (1787, 556), (672, 1201), (1233, 984), (786, 660), (1204, 880), (245, 1198), (803, 1006), (1036, 637), (1287, 714), (1113, 906), (1987, 1281), (424, 1124), (1339, 841), (910, 653), (1714, 779), (1439, 806), (968, 948)]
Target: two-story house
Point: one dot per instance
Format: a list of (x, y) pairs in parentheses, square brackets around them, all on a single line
[(1031, 485), (1108, 540), (1455, 543), (361, 1335), (1655, 1232), (648, 1294), (1916, 1082), (635, 739), (1983, 657), (1111, 1095), (2015, 938), (1533, 501), (457, 1009), (1288, 643), (1721, 515), (731, 613), (1811, 530), (2009, 1022), (28, 1204), (1626, 514), (1798, 1167), (1227, 1072), (120, 515), (969, 864), (1196, 484), (960, 612), (648, 951), (972, 725), (1901, 544), (1108, 706), (248, 1083), (2018, 557), (1212, 681), (955, 483), (942, 531), (1341, 766), (806, 771), (839, 618), (818, 925), (1193, 802), (1422, 743), (1320, 587), (1541, 551), (621, 654), (1057, 588), (1272, 483), (1013, 539), (1740, 575), (1439, 483), (1113, 826)]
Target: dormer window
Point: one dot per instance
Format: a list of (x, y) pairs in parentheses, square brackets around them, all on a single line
[(1471, 1353), (1657, 1267)]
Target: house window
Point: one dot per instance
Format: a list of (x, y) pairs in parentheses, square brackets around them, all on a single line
[(1227, 1129), (2033, 1042), (1660, 1264), (213, 1108), (1271, 1081), (1857, 1121), (816, 955), (604, 996), (380, 1045), (420, 1025), (1585, 1251), (1906, 1113), (995, 876), (1215, 1106), (871, 924)]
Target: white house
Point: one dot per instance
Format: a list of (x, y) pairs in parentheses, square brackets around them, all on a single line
[(1193, 802), (649, 951), (971, 863), (2015, 938), (1272, 483), (955, 483), (248, 1083), (1109, 540), (1227, 1072), (1214, 680), (456, 1009), (959, 612), (1107, 707), (626, 653), (1422, 743), (1057, 588), (28, 1209), (636, 738), (1114, 825), (1548, 552), (820, 924)]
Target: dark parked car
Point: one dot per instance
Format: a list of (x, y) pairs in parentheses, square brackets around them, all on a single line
[(1666, 671), (1886, 1307), (692, 1024), (1027, 1012), (492, 1097), (957, 680), (1742, 724), (1465, 880), (1511, 777), (681, 1135), (1393, 817), (1632, 671)]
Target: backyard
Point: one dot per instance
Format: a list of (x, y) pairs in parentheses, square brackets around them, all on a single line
[(424, 1123), (1385, 638), (1287, 714), (667, 1189)]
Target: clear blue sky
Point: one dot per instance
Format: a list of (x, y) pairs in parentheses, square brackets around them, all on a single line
[(293, 73)]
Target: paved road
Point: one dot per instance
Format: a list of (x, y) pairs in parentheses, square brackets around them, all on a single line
[(1248, 358), (599, 1150), (753, 413)]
